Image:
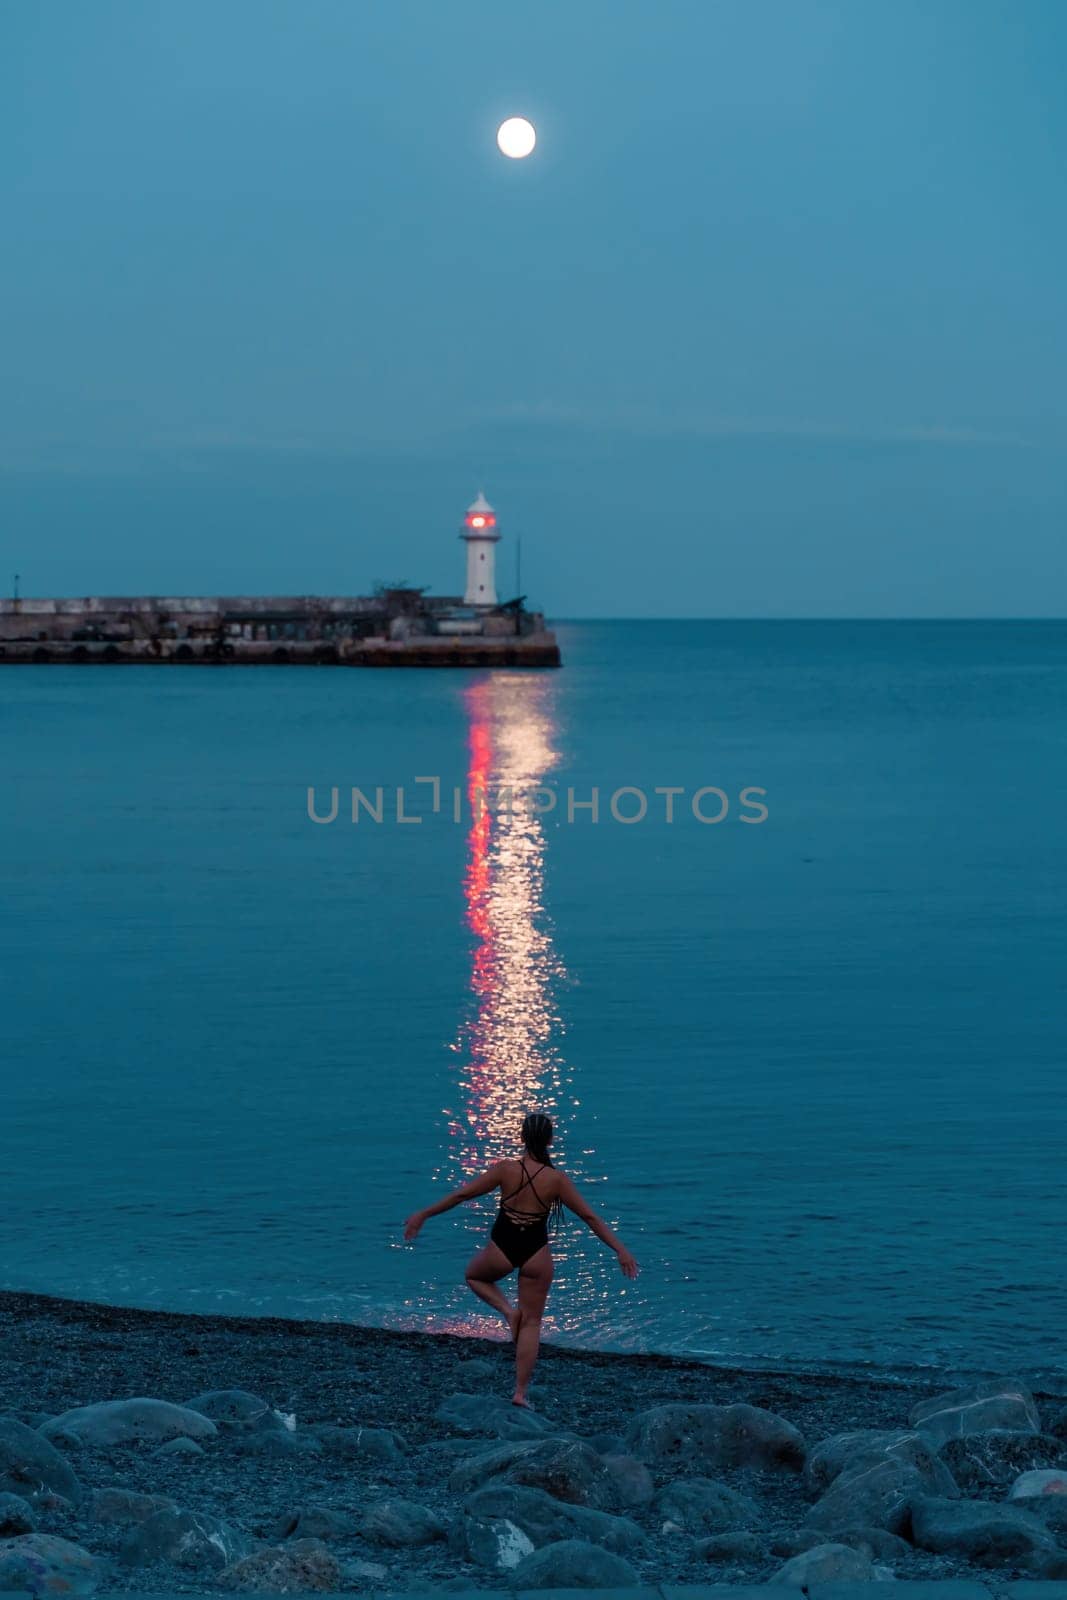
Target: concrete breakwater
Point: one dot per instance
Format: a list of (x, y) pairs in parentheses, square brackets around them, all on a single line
[(392, 628), (266, 1456)]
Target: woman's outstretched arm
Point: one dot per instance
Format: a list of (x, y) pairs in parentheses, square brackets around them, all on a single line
[(575, 1201), (467, 1191)]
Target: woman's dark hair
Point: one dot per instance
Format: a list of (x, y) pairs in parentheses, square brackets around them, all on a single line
[(537, 1135)]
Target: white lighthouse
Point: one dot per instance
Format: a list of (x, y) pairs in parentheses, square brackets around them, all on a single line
[(479, 531)]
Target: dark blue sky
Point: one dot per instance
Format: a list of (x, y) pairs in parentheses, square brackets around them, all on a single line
[(772, 323)]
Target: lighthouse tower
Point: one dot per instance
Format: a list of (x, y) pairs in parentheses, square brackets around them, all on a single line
[(479, 531)]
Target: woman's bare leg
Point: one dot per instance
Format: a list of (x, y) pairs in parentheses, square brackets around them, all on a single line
[(483, 1272), (535, 1280)]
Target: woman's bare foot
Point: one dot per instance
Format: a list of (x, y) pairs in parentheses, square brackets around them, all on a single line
[(518, 1399)]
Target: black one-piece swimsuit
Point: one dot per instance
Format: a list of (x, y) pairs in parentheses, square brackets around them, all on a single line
[(520, 1234)]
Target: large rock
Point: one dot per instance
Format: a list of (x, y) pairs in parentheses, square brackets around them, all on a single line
[(876, 1495), (42, 1564), (502, 1522), (567, 1469), (1005, 1405), (137, 1421), (877, 1543), (315, 1522), (985, 1533), (856, 1451), (573, 1564), (488, 1414), (124, 1507), (359, 1444), (294, 1568), (985, 1462), (701, 1438), (188, 1538), (401, 1523), (29, 1463), (16, 1516), (231, 1409), (1035, 1485), (828, 1563), (483, 1465), (631, 1482), (700, 1505), (725, 1549)]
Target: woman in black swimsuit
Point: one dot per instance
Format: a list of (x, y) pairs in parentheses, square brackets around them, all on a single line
[(520, 1238)]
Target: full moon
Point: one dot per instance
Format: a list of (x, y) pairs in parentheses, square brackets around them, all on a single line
[(516, 137)]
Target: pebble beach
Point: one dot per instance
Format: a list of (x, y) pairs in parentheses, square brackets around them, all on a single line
[(162, 1452)]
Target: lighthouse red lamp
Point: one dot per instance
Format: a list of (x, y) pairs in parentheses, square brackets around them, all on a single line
[(480, 532)]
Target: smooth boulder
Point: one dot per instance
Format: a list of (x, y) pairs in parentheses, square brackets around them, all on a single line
[(573, 1564), (703, 1506), (631, 1482), (16, 1516), (724, 1549), (315, 1522), (482, 1414), (125, 1507), (1006, 1406), (987, 1463), (42, 1564), (359, 1444), (29, 1463), (699, 1437), (137, 1421), (983, 1532), (1035, 1485), (567, 1469), (828, 1563), (187, 1538), (501, 1520), (286, 1569), (400, 1523), (847, 1452), (232, 1409), (877, 1495)]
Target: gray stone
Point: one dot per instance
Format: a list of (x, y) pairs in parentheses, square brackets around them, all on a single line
[(846, 1451), (631, 1482), (877, 1543), (136, 1421), (303, 1564), (992, 1461), (281, 1443), (874, 1496), (124, 1507), (1036, 1485), (315, 1522), (723, 1548), (1005, 1405), (573, 1564), (400, 1523), (607, 1444), (502, 1522), (489, 1414), (359, 1444), (29, 1463), (567, 1469), (700, 1505), (43, 1564), (179, 1447), (826, 1563), (236, 1408), (983, 1532), (15, 1516), (188, 1538), (1058, 1423), (478, 1367), (483, 1465), (698, 1437), (1052, 1509)]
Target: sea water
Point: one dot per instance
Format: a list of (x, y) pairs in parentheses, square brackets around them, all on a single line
[(805, 1048)]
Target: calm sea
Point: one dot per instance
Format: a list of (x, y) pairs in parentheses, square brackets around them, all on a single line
[(812, 1067)]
